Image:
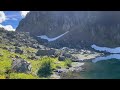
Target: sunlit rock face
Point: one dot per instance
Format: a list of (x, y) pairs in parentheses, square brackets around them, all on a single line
[(85, 27)]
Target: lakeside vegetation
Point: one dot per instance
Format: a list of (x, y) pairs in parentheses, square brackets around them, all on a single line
[(41, 68)]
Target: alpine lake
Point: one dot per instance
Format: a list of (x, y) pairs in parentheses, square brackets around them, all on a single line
[(107, 67)]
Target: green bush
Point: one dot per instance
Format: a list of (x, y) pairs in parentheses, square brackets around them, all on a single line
[(45, 69), (68, 62)]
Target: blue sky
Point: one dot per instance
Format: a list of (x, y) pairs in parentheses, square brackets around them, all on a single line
[(11, 17)]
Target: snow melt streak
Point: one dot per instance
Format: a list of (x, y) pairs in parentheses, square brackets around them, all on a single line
[(52, 39)]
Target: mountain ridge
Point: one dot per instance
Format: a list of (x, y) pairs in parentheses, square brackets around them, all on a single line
[(85, 27)]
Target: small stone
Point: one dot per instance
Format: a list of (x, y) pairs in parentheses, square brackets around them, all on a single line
[(16, 56), (58, 67)]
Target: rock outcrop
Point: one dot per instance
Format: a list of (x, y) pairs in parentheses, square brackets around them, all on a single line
[(85, 27), (18, 39)]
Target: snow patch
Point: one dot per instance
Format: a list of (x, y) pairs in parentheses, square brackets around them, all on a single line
[(106, 49), (52, 39), (112, 56)]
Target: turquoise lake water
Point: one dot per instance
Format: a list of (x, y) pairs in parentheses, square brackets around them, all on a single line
[(99, 68)]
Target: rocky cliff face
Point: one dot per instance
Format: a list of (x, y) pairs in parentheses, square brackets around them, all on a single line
[(85, 27)]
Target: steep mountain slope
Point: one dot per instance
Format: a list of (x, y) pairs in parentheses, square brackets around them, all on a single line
[(85, 27)]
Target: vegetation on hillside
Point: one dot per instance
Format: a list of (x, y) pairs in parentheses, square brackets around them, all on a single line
[(41, 68), (21, 46)]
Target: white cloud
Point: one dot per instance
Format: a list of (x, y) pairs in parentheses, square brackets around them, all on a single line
[(24, 13), (2, 16), (7, 27)]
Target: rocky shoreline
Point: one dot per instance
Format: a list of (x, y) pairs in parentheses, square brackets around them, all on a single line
[(80, 57)]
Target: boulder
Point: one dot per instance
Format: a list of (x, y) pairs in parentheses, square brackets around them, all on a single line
[(41, 47), (53, 56), (45, 52), (61, 58), (67, 55), (65, 49), (11, 49), (21, 66), (35, 46), (18, 50), (57, 53)]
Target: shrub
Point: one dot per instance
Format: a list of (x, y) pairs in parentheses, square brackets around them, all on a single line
[(45, 69), (68, 62)]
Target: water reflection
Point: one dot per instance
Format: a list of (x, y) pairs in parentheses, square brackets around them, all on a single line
[(112, 56), (107, 67)]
